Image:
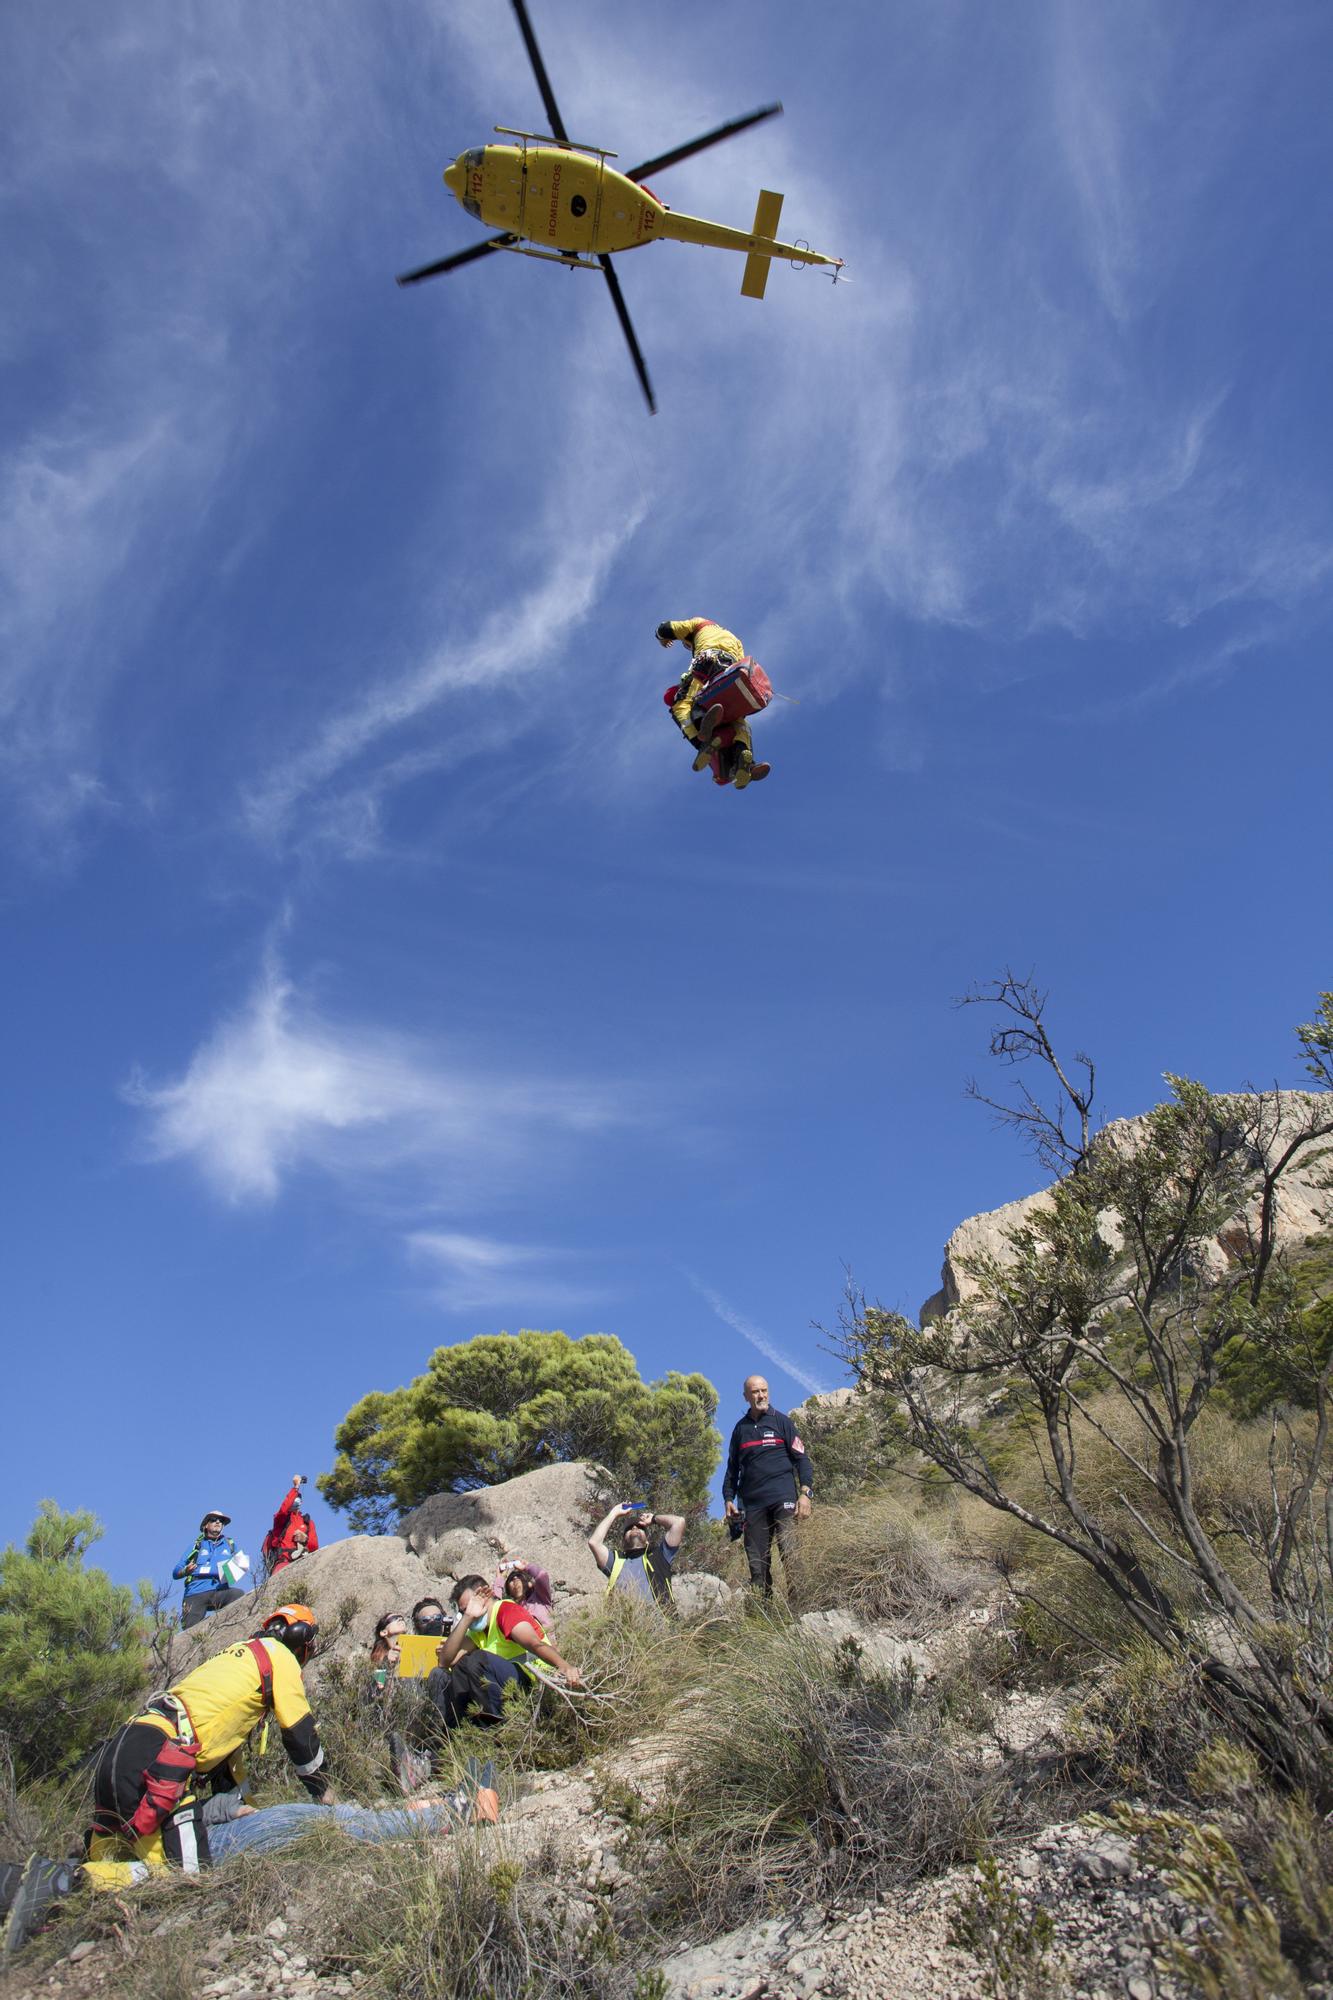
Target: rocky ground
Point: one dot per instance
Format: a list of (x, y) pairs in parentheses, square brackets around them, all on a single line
[(1111, 1921)]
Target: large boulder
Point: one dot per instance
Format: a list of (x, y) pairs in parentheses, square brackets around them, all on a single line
[(541, 1517), (346, 1584)]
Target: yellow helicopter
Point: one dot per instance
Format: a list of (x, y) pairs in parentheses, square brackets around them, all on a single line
[(551, 198)]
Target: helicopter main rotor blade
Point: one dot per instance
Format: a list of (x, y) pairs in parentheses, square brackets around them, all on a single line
[(557, 123), (714, 138), (467, 256), (627, 328)]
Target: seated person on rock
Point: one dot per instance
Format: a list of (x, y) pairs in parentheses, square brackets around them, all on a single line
[(643, 1571), (496, 1644), (395, 1704), (204, 1570), (293, 1534), (527, 1583), (428, 1617)]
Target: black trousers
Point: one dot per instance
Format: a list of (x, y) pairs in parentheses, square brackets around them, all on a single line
[(477, 1681), (761, 1525), (198, 1607)]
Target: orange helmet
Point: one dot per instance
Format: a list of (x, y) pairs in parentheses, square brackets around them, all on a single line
[(296, 1626)]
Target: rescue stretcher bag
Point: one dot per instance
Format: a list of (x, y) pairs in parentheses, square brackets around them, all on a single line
[(740, 691)]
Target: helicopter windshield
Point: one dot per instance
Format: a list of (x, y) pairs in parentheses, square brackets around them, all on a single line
[(473, 162)]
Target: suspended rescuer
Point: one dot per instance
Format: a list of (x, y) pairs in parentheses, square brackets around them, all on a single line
[(174, 1768), (293, 1533), (209, 1569), (711, 647), (643, 1571), (495, 1644), (768, 1483)]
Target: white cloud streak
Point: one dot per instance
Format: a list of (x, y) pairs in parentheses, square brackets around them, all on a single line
[(275, 1090), (473, 1272), (757, 1338)]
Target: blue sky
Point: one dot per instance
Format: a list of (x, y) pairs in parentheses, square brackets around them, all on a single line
[(379, 973)]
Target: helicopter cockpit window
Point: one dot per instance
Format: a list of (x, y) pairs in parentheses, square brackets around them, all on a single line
[(473, 161), (578, 206)]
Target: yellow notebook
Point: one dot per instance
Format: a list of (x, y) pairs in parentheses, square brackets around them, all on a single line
[(418, 1653)]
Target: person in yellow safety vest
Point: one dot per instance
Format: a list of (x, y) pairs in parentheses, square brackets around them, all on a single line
[(149, 1805), (642, 1573), (711, 647), (487, 1652)]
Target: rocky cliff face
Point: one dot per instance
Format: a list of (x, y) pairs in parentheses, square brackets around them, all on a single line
[(1304, 1207)]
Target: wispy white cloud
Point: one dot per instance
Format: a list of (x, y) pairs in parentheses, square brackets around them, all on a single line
[(165, 182), (757, 1338), (277, 1090), (512, 645), (471, 1272)]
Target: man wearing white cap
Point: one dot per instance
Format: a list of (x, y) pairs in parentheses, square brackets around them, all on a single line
[(210, 1570)]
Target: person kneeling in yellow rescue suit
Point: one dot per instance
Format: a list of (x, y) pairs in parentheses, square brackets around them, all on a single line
[(148, 1808), (711, 647)]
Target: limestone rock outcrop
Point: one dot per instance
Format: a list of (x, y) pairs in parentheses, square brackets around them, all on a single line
[(1304, 1208)]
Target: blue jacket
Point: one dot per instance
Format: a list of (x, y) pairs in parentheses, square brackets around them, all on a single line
[(208, 1558)]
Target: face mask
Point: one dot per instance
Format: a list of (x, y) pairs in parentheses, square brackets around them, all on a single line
[(430, 1623), (478, 1624)]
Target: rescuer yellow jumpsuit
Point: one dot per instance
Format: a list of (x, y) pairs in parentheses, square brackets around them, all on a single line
[(157, 1760), (701, 635)]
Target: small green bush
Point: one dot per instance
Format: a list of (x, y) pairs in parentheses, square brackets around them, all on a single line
[(1145, 1723), (876, 1560), (796, 1775), (1011, 1940)]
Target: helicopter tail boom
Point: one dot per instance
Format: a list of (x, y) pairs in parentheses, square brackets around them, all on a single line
[(768, 211), (681, 228)]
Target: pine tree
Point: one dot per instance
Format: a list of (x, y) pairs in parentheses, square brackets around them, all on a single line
[(73, 1653)]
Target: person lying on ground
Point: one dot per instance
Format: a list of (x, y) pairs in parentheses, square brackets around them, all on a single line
[(643, 1571), (207, 1569), (496, 1644), (293, 1533), (235, 1827)]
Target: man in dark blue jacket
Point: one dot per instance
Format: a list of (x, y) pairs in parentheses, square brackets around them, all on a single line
[(768, 1484)]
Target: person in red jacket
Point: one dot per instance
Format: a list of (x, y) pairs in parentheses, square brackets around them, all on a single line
[(292, 1534)]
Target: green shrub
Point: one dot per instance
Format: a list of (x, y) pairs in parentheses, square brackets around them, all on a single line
[(1145, 1723), (797, 1775), (876, 1560), (73, 1653), (1011, 1940)]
